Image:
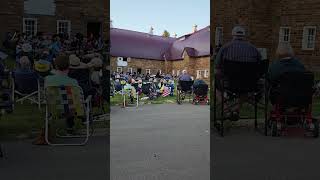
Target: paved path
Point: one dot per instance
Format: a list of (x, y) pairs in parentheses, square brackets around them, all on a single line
[(244, 154), (25, 161), (160, 142)]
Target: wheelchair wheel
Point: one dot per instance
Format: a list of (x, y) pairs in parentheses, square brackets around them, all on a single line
[(178, 97), (274, 129)]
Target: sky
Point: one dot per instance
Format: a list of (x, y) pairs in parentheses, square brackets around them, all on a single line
[(175, 16)]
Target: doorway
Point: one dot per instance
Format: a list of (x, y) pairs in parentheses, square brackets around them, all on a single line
[(139, 70), (94, 28)]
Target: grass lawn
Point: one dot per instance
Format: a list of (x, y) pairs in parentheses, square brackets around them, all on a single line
[(27, 120), (118, 99)]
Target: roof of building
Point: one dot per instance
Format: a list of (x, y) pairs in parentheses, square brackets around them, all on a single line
[(127, 43)]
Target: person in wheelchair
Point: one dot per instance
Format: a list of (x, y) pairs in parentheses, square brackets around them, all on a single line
[(286, 62), (238, 50)]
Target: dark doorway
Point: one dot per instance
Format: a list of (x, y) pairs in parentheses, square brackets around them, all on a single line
[(139, 70), (94, 28)]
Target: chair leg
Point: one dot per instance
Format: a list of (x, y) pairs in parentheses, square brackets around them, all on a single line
[(222, 114), (1, 152), (255, 112)]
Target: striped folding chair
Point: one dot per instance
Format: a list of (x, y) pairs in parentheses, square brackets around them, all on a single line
[(67, 101)]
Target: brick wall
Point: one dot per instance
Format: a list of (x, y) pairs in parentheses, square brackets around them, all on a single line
[(143, 64), (263, 19), (11, 13), (188, 63), (79, 12)]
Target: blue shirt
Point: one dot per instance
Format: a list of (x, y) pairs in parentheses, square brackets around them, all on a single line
[(185, 77)]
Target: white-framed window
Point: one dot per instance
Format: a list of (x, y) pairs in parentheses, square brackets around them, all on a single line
[(309, 38), (206, 74), (63, 27), (284, 34), (173, 72), (119, 69), (148, 71), (202, 74), (160, 71), (30, 26), (219, 36), (130, 70)]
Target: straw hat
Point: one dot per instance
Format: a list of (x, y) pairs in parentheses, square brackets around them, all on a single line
[(75, 62), (95, 62)]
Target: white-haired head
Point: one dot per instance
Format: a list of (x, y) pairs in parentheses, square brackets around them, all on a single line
[(184, 71), (284, 50)]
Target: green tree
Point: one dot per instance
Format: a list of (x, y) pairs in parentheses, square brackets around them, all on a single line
[(166, 33)]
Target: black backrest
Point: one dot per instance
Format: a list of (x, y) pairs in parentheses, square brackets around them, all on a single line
[(296, 89), (242, 77), (186, 85), (201, 89)]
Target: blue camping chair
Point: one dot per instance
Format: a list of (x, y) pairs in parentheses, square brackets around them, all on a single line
[(26, 86)]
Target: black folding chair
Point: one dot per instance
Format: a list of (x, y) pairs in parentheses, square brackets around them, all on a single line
[(184, 88), (26, 86), (240, 78)]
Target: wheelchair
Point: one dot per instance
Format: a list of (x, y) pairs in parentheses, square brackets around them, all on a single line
[(291, 98), (184, 89), (238, 79), (201, 94)]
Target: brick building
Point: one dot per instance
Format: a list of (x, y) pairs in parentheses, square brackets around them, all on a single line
[(55, 16), (268, 22), (146, 53)]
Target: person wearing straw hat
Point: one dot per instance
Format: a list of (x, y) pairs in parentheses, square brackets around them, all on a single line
[(75, 62), (96, 64)]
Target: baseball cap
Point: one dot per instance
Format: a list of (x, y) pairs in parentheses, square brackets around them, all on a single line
[(238, 31)]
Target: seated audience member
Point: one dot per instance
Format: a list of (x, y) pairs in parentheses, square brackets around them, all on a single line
[(96, 65), (80, 72), (58, 79), (286, 62), (238, 50), (185, 76), (198, 82), (25, 65)]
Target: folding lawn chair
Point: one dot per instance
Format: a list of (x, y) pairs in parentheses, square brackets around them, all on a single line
[(27, 86), (240, 78), (62, 101)]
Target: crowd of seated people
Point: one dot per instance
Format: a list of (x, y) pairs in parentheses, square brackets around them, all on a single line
[(60, 60), (152, 85)]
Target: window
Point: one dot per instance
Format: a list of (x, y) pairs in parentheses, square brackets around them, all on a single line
[(119, 69), (219, 35), (206, 74), (178, 72), (284, 35), (160, 71), (148, 71), (30, 26), (130, 70), (309, 38), (202, 74), (63, 27), (173, 72)]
